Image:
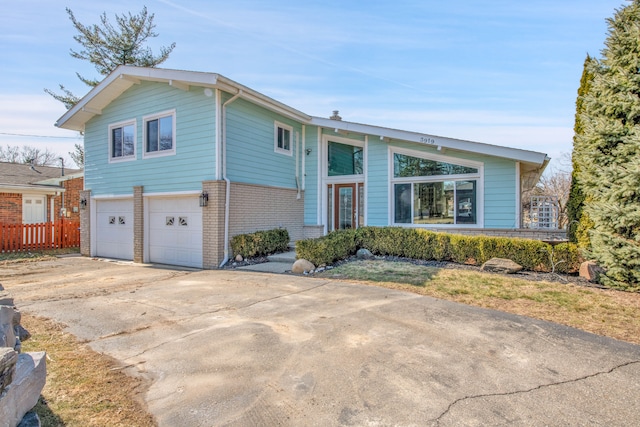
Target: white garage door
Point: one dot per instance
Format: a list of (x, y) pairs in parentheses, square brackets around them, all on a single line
[(175, 231), (114, 229)]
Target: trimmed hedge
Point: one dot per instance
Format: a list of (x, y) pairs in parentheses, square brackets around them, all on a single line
[(423, 244), (260, 243)]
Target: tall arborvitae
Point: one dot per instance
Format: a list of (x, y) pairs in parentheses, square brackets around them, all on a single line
[(579, 222), (609, 154)]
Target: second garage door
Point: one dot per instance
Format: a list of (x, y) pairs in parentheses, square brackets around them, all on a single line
[(175, 231)]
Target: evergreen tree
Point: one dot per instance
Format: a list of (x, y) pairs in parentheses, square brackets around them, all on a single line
[(578, 221), (609, 155), (107, 46)]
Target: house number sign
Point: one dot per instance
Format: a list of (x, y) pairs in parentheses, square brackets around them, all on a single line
[(427, 140)]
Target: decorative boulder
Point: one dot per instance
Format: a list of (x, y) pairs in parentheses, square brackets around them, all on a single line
[(501, 265), (302, 266), (364, 254), (590, 270), (239, 258)]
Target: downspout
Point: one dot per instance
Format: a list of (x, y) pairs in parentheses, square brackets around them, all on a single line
[(227, 196)]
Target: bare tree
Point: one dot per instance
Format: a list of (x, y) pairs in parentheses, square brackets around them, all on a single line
[(555, 182), (28, 155)]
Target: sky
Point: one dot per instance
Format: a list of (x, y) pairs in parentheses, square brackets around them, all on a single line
[(500, 72)]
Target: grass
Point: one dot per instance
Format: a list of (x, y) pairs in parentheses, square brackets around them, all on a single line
[(611, 313), (36, 255), (83, 388)]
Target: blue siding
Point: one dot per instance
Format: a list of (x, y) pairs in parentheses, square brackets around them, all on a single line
[(193, 162), (312, 186), (378, 182), (250, 146)]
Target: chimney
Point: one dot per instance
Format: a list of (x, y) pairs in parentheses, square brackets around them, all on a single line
[(335, 115)]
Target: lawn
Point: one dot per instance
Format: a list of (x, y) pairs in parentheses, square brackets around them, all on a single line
[(612, 313)]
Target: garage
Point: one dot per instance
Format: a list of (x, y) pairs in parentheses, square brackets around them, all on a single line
[(114, 228), (175, 231)]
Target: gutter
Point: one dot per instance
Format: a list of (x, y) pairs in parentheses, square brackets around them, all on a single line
[(227, 198)]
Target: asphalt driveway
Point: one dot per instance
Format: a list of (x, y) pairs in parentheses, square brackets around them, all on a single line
[(242, 349)]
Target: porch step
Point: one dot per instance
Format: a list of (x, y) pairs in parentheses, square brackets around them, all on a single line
[(269, 267), (288, 257)]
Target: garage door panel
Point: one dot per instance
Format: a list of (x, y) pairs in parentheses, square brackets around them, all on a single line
[(114, 229), (175, 231)]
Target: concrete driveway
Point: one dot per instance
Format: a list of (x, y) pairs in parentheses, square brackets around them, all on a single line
[(243, 349)]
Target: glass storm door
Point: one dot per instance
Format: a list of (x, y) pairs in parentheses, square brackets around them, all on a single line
[(345, 206)]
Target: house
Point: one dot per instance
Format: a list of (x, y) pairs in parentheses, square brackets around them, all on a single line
[(36, 194), (178, 162)]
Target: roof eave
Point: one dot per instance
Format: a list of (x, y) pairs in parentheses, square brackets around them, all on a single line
[(526, 156), (123, 77)]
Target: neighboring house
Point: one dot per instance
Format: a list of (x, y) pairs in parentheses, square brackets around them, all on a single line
[(161, 143), (37, 194)]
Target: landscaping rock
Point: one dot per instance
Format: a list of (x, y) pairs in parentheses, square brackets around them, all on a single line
[(302, 266), (24, 391), (8, 360), (239, 258), (364, 254), (590, 270), (501, 265)]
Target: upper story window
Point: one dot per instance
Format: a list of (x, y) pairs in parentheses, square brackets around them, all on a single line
[(344, 159), (160, 134), (122, 141), (282, 139)]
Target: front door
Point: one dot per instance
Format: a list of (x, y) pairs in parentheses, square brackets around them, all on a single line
[(345, 206)]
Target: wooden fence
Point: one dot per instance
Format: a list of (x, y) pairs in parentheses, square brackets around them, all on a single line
[(35, 237)]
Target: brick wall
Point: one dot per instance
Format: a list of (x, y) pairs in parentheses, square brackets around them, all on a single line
[(10, 208), (213, 224), (524, 233), (257, 207), (85, 224), (138, 224), (71, 196)]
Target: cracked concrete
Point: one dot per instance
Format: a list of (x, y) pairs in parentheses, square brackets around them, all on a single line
[(242, 348)]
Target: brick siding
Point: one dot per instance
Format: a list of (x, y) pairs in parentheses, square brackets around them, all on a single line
[(85, 224), (10, 208)]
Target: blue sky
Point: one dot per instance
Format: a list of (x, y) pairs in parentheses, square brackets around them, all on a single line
[(496, 71)]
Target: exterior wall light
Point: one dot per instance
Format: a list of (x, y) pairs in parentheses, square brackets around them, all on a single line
[(204, 199), (83, 203)]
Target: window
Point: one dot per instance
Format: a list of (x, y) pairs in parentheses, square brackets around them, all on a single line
[(434, 192), (282, 139), (344, 159), (159, 134), (122, 141)]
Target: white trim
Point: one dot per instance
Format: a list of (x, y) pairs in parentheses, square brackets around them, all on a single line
[(218, 148), (518, 223), (123, 124), (325, 166), (303, 153), (112, 197), (319, 183), (365, 166), (157, 116), (279, 125), (477, 177), (173, 194)]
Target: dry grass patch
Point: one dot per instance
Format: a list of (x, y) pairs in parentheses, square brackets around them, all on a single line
[(83, 388), (612, 313)]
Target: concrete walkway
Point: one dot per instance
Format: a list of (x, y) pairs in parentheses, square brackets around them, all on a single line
[(278, 263), (239, 348)]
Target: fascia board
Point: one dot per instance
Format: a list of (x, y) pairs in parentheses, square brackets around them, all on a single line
[(31, 189), (123, 77), (531, 157)]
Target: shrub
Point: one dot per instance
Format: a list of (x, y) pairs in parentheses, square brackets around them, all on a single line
[(418, 243), (334, 246), (260, 243)]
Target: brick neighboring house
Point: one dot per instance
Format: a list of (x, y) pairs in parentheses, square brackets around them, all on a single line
[(30, 195)]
